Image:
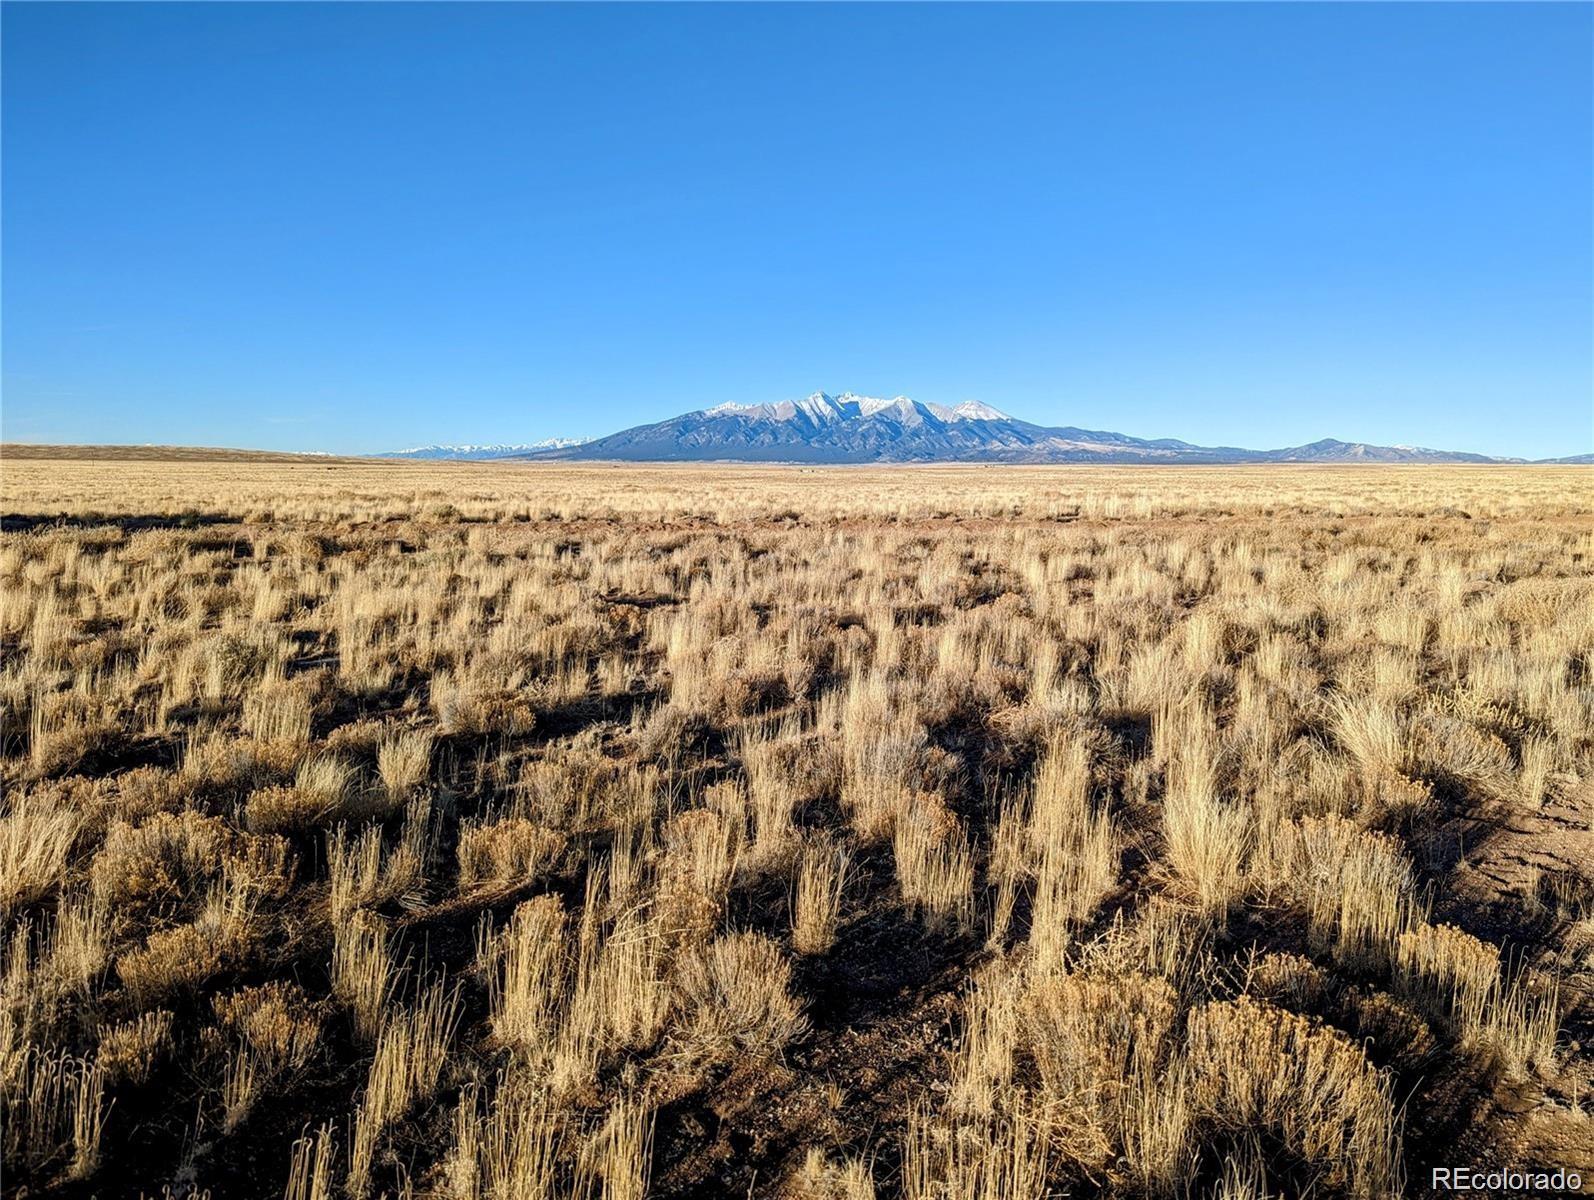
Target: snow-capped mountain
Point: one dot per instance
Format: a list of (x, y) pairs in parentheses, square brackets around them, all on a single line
[(485, 452), (850, 428)]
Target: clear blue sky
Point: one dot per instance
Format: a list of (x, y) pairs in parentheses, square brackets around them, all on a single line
[(365, 226)]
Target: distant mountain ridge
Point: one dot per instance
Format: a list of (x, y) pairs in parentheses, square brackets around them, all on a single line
[(850, 428), (474, 453)]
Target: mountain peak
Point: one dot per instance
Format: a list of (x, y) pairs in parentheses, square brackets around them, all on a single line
[(978, 410)]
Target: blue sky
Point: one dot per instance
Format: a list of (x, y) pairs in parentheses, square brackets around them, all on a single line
[(364, 226)]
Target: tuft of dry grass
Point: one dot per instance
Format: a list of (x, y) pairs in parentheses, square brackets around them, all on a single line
[(528, 983), (410, 1054), (311, 1168), (403, 762), (362, 972), (36, 838), (821, 881)]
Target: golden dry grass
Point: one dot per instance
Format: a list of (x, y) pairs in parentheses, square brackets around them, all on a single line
[(495, 832)]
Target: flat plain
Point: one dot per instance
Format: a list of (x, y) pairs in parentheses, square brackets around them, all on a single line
[(495, 832)]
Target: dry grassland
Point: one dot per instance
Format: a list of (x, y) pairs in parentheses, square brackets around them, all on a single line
[(503, 832)]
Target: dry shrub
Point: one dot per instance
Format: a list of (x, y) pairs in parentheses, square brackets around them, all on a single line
[(214, 761), (323, 790), (145, 791), (276, 1021), (65, 728), (1254, 1067), (736, 1001), (131, 1051), (746, 692), (668, 731), (160, 867), (467, 705), (281, 810), (172, 961), (1460, 753), (1100, 1043), (508, 853), (359, 740), (1291, 981), (1390, 1028)]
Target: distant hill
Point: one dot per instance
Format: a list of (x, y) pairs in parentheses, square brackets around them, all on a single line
[(866, 429), (1330, 450)]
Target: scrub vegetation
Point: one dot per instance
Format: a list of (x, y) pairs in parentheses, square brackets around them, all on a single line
[(498, 832)]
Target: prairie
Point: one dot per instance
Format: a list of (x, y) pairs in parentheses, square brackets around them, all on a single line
[(493, 832)]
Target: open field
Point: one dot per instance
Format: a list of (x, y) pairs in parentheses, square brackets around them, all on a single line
[(494, 832)]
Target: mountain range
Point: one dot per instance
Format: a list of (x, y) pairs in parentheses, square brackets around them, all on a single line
[(498, 450), (850, 428)]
